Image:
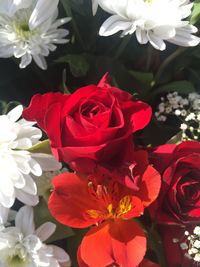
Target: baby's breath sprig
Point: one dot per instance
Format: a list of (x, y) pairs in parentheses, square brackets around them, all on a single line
[(186, 109)]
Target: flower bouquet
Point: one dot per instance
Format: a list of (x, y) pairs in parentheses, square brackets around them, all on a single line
[(99, 141)]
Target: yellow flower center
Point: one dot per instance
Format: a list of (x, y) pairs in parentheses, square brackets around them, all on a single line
[(124, 206)]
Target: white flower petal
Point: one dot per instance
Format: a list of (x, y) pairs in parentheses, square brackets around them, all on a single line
[(27, 198), (94, 7), (154, 21), (185, 40), (30, 186), (156, 42), (25, 60), (24, 220), (6, 50), (164, 32), (47, 162), (15, 113), (35, 42), (141, 36), (35, 167), (3, 215), (18, 4), (112, 25), (24, 143), (7, 201), (43, 10), (40, 61), (45, 230), (60, 254), (19, 181)]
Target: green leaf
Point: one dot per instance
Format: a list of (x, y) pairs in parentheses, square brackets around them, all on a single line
[(144, 77), (42, 147), (182, 87), (42, 215), (176, 139), (195, 17), (78, 64)]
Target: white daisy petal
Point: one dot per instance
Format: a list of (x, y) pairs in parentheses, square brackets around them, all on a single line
[(47, 162), (29, 29), (156, 41), (17, 164), (141, 36), (40, 61), (94, 7), (42, 12), (60, 254), (154, 21), (25, 60), (21, 242), (18, 4), (24, 220), (30, 186), (26, 198), (35, 167), (15, 113), (3, 215), (112, 25), (45, 230)]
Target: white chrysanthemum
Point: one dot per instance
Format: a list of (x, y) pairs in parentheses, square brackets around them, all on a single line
[(17, 164), (29, 30), (152, 20), (23, 246)]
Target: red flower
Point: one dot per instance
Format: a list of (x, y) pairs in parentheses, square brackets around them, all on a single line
[(91, 125), (82, 202), (179, 200)]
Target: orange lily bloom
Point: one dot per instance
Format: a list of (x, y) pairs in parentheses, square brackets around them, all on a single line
[(98, 200)]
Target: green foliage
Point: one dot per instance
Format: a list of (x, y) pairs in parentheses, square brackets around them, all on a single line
[(182, 87), (42, 147), (78, 64), (195, 17), (176, 139)]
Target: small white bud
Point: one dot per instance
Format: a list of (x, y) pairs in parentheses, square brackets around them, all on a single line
[(183, 126)]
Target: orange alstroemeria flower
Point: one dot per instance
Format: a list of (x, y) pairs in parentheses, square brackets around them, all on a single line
[(98, 200)]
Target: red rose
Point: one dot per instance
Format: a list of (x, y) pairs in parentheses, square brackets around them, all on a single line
[(179, 199), (92, 125)]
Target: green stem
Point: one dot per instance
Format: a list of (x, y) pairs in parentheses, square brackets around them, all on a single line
[(68, 11), (156, 245), (167, 61), (154, 240), (122, 46), (64, 85), (150, 50)]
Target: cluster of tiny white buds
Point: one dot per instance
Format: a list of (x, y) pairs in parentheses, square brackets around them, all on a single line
[(190, 244), (186, 109)]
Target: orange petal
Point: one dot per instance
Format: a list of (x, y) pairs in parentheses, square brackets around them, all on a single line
[(120, 242), (128, 242), (96, 248), (70, 200), (150, 186)]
